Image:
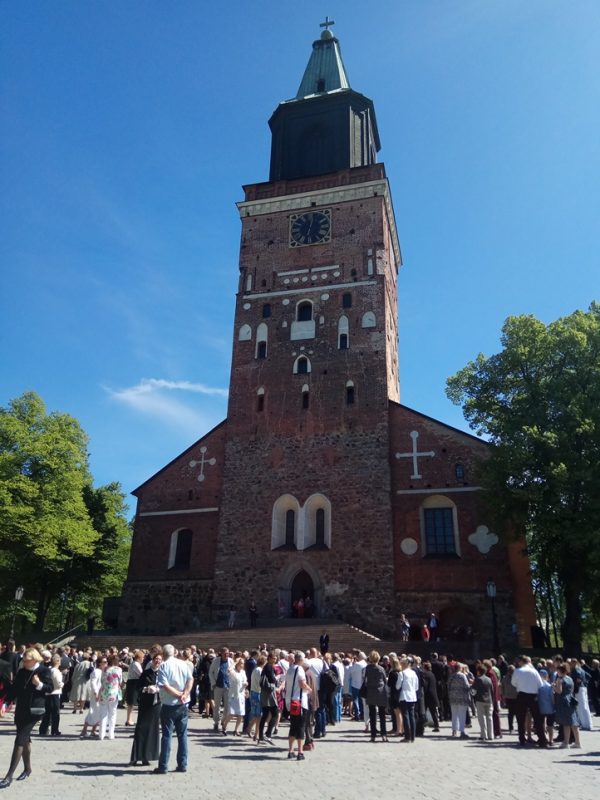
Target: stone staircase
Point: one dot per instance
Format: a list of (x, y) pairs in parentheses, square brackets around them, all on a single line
[(288, 634)]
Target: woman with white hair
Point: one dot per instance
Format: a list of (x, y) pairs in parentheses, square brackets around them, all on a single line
[(459, 694)]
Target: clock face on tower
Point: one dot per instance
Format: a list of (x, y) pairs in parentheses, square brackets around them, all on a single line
[(311, 227)]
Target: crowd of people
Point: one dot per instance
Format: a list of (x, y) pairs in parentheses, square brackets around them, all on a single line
[(254, 694)]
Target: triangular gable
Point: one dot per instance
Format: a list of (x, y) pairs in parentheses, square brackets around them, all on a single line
[(173, 460)]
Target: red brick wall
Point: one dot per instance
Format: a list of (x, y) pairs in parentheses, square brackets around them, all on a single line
[(435, 584), (177, 488)]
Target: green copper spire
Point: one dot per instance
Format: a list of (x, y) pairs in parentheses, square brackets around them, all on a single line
[(325, 71)]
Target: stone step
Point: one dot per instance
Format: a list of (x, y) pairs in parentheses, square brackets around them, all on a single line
[(287, 634)]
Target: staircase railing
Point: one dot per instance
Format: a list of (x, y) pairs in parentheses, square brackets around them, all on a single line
[(62, 636)]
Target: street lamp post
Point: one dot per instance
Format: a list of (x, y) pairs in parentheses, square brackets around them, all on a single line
[(18, 597), (490, 589)]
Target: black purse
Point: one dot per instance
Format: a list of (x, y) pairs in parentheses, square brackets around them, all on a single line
[(37, 705)]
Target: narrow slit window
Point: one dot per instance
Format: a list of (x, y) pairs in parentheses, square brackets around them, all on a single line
[(290, 527), (350, 395), (320, 528), (266, 310), (347, 300), (305, 400)]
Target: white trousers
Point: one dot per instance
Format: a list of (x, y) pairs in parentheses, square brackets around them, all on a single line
[(108, 718), (583, 709)]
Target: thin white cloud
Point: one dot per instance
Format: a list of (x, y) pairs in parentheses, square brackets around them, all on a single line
[(147, 385), (152, 397)]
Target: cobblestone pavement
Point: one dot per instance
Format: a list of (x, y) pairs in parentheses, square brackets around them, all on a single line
[(344, 764)]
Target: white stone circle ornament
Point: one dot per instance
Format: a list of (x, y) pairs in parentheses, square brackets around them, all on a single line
[(409, 546)]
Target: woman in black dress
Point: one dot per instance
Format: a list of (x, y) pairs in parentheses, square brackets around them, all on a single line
[(32, 683), (146, 737)]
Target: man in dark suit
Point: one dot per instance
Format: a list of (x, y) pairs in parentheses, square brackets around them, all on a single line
[(430, 696), (324, 643), (440, 672)]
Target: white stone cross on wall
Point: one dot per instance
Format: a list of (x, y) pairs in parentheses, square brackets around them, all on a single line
[(415, 455), (202, 462)]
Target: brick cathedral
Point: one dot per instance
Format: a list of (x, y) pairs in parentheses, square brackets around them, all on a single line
[(320, 484)]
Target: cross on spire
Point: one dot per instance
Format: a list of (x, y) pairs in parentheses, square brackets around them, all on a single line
[(327, 24), (415, 455)]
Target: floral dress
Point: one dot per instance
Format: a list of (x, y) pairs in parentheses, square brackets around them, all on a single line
[(110, 685)]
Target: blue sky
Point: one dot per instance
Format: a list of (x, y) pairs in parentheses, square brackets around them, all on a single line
[(129, 127)]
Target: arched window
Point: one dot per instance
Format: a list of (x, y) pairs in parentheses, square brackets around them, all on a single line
[(347, 300), (316, 527), (249, 283), (304, 311), (262, 333), (266, 310), (305, 397), (369, 320), (303, 327), (439, 527), (350, 396), (285, 522), (320, 527), (290, 527), (180, 550), (245, 333), (343, 335), (260, 399), (459, 471), (302, 366)]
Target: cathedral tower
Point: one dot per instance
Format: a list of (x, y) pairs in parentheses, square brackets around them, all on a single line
[(306, 485)]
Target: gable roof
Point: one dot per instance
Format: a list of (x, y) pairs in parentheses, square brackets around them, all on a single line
[(439, 422)]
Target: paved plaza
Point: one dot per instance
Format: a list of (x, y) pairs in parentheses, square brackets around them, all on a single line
[(344, 764)]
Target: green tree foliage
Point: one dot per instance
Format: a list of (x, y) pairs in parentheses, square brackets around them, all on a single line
[(56, 532), (538, 401)]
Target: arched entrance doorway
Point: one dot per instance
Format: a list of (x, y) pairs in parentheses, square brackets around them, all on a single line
[(303, 595), (300, 579), (457, 622)]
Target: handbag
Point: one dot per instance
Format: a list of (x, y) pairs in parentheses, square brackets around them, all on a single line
[(37, 704), (363, 690), (295, 705)]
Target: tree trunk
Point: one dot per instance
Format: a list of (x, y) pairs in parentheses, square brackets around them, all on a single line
[(551, 608), (40, 614), (572, 626), (42, 608)]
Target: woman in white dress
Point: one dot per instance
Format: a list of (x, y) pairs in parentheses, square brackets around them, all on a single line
[(238, 683), (92, 719)]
